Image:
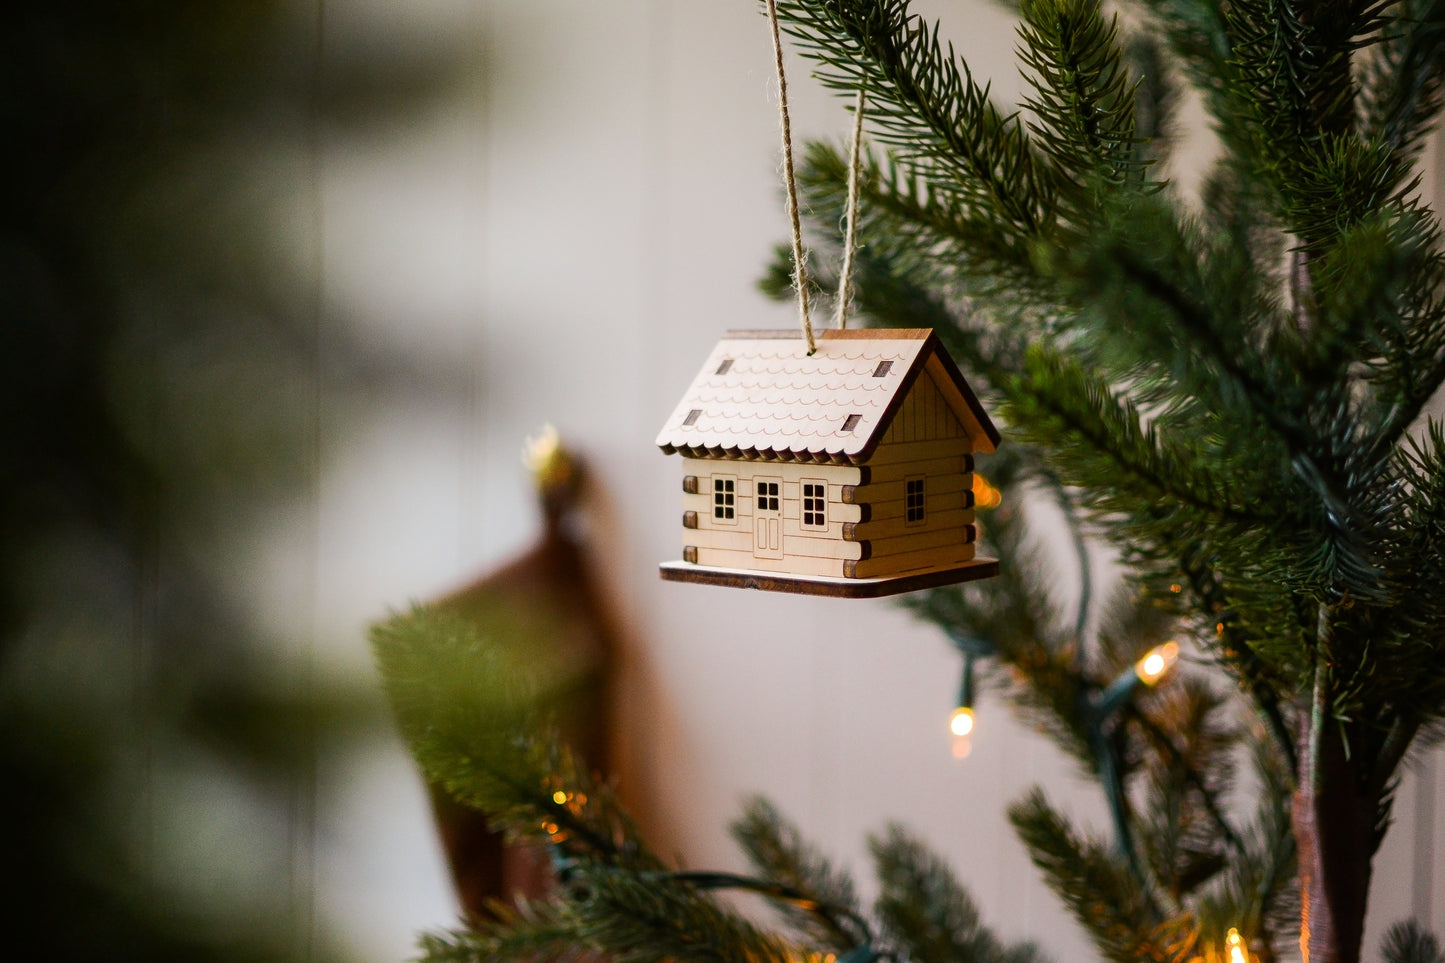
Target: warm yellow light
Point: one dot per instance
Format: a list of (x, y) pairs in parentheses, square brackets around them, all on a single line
[(541, 448), (984, 494), (1235, 945), (1157, 662), (961, 724), (1176, 588), (559, 797)]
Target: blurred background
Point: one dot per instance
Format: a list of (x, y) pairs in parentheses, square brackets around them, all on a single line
[(286, 287)]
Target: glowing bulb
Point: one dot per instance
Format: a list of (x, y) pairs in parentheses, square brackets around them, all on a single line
[(961, 725), (1156, 663), (984, 494), (539, 450), (559, 797), (1235, 945)]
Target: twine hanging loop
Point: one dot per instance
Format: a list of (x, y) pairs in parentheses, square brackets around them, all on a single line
[(850, 242), (800, 273), (850, 229)]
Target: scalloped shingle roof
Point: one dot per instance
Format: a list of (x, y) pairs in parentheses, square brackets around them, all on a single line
[(760, 395)]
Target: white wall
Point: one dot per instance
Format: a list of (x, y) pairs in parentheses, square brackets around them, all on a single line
[(563, 240)]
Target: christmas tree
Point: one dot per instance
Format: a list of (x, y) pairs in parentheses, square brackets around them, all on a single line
[(1225, 385)]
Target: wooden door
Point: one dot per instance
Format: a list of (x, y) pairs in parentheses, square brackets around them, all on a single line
[(768, 518)]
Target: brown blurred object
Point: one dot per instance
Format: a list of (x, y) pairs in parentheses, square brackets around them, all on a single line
[(550, 591)]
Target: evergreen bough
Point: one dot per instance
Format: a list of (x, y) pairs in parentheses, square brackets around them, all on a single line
[(1227, 388)]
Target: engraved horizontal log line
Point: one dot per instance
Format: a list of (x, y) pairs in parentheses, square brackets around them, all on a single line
[(949, 466), (907, 562), (807, 545), (916, 541), (743, 524), (837, 512), (797, 565), (941, 517), (882, 493), (896, 509)]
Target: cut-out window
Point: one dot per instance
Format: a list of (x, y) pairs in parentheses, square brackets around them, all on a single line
[(815, 504), (914, 507), (851, 422), (882, 369), (691, 418), (767, 496), (726, 365), (724, 498)]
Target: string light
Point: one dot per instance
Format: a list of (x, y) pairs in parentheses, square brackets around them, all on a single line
[(1234, 944), (1156, 663), (961, 723)]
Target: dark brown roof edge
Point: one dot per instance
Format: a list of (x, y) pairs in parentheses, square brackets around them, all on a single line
[(879, 334), (831, 334), (744, 334)]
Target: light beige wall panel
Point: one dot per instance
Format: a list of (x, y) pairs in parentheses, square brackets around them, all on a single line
[(725, 558), (886, 455)]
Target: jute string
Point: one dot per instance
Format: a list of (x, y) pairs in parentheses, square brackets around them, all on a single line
[(800, 274), (850, 244), (850, 230)]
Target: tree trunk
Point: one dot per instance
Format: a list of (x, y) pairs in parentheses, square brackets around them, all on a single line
[(1334, 828)]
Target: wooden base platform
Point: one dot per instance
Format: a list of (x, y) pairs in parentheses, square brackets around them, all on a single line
[(847, 588)]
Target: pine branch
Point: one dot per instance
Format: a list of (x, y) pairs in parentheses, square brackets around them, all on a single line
[(1410, 942), (1292, 81), (1083, 98), (1190, 772), (927, 914), (475, 719), (924, 105), (778, 853), (1414, 366), (1198, 35), (1104, 896), (1119, 462), (532, 931), (1145, 291), (1402, 86), (1410, 630), (903, 221), (1156, 98), (651, 919)]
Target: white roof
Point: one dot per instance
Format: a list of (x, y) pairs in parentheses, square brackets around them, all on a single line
[(761, 395)]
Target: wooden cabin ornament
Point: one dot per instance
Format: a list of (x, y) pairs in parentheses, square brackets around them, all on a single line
[(847, 472)]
